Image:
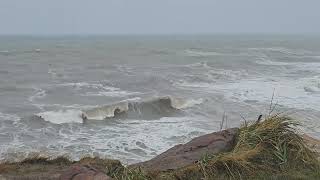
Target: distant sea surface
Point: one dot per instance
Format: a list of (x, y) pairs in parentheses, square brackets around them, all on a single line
[(169, 89)]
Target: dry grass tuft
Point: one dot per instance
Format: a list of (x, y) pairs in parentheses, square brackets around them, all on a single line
[(37, 159), (272, 145), (131, 174)]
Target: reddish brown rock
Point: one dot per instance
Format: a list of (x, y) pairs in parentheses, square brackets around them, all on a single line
[(83, 172), (186, 154)]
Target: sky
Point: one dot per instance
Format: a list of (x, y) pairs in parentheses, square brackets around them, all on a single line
[(159, 16)]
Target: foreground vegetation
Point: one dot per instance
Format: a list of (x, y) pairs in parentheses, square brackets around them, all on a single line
[(266, 149), (270, 149)]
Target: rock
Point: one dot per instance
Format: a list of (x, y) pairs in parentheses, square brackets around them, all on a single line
[(186, 154), (83, 172)]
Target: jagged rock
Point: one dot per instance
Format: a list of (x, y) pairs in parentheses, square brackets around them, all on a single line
[(83, 172), (186, 154)]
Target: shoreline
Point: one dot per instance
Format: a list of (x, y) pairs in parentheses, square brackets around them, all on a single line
[(232, 153)]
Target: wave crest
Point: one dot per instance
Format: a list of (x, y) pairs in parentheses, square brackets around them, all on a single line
[(147, 109)]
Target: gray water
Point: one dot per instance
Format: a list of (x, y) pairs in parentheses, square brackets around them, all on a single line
[(58, 78)]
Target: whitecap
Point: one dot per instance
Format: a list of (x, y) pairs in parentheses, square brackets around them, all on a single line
[(11, 117), (39, 93), (283, 50), (312, 85), (86, 84), (196, 53), (291, 93), (200, 64), (110, 93), (62, 116), (312, 89), (181, 103), (5, 52), (273, 63)]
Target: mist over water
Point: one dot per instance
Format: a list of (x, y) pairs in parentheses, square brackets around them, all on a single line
[(59, 78)]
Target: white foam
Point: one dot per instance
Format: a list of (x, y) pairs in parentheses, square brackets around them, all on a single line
[(4, 52), (110, 93), (39, 93), (312, 85), (283, 50), (196, 53), (212, 76), (315, 67), (156, 136), (301, 93), (180, 103), (312, 89), (291, 93), (102, 90), (64, 106), (53, 73), (200, 64), (88, 85), (273, 63), (192, 84), (295, 66), (11, 117), (227, 74), (62, 116)]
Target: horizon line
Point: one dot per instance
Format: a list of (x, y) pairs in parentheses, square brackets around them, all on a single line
[(159, 34)]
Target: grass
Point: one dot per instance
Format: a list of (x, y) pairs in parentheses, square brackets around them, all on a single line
[(270, 147), (131, 174), (37, 159)]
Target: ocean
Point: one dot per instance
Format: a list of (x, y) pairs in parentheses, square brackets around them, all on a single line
[(133, 97)]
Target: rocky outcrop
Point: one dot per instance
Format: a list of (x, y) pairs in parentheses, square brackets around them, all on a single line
[(186, 154), (60, 169), (83, 172)]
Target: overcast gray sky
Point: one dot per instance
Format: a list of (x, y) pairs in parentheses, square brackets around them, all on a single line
[(158, 16)]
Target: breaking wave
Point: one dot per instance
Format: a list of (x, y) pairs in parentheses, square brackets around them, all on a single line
[(62, 116), (312, 85), (148, 109)]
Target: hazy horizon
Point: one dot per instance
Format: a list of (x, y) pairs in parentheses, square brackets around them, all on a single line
[(168, 17), (311, 34)]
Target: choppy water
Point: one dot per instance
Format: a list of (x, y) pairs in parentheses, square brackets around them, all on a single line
[(60, 78)]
